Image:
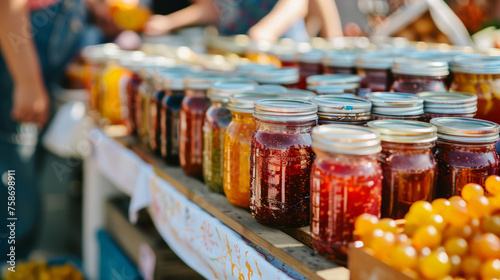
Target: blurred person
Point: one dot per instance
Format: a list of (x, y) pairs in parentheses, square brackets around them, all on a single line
[(37, 39), (261, 19), (323, 19)]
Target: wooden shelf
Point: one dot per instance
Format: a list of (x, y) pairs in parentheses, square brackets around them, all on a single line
[(291, 246)]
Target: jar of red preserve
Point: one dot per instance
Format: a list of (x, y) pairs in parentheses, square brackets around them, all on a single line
[(280, 162), (413, 75), (349, 83), (192, 115), (448, 104), (287, 77), (309, 64), (339, 62), (396, 106), (465, 153), (375, 72), (408, 164), (342, 110), (346, 181)]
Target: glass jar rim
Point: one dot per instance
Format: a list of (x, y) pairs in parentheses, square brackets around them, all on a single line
[(283, 110), (420, 67), (466, 129), (346, 139), (404, 131)]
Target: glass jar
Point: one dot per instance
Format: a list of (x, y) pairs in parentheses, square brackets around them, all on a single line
[(349, 83), (346, 181), (237, 147), (280, 162), (436, 55), (412, 75), (408, 164), (448, 104), (287, 77), (333, 90), (298, 94), (309, 64), (113, 92), (342, 110), (465, 153), (246, 70), (192, 116), (142, 103), (339, 62), (375, 72), (396, 106), (217, 119), (287, 55), (479, 75)]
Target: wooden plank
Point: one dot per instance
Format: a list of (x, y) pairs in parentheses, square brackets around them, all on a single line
[(289, 250)]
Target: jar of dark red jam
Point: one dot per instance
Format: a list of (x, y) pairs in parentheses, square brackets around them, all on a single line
[(465, 153), (375, 72), (169, 117), (298, 94), (339, 62), (412, 75), (396, 106), (192, 116), (408, 164), (342, 110), (346, 181), (436, 55), (287, 77), (280, 162), (349, 83), (217, 119), (309, 64), (448, 104)]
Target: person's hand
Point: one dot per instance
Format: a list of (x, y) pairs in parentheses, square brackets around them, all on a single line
[(157, 25), (30, 104)]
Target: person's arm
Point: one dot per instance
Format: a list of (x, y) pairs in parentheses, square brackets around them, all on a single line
[(331, 26), (200, 12), (283, 15), (30, 99)]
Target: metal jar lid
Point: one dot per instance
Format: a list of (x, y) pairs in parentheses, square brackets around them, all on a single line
[(221, 91), (287, 75), (285, 110), (244, 102), (375, 60), (267, 89), (346, 81), (337, 90), (247, 69), (284, 53), (466, 130), (346, 139), (400, 131), (200, 81), (100, 53), (444, 56), (476, 64), (311, 56), (339, 59), (330, 104), (173, 81), (448, 102), (417, 67), (298, 94), (396, 103)]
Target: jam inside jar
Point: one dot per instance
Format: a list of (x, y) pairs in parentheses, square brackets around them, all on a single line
[(408, 164), (280, 162), (375, 72), (339, 62), (412, 75), (309, 64), (346, 181), (465, 153)]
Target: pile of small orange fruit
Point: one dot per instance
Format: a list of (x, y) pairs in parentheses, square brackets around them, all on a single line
[(456, 238)]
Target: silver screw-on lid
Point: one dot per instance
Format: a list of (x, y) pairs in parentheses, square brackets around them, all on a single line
[(345, 139), (298, 94), (396, 103), (466, 130), (401, 131), (339, 59), (375, 60), (341, 105), (476, 64), (345, 81), (221, 91), (201, 81), (285, 110), (448, 102), (417, 67), (244, 102), (287, 75), (311, 56), (247, 69)]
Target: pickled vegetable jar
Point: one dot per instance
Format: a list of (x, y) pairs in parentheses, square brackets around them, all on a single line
[(465, 153), (349, 83), (413, 75), (280, 162), (396, 106), (309, 64), (479, 75), (192, 116), (217, 119), (346, 181), (448, 104), (237, 144), (342, 110), (408, 164), (339, 62), (287, 77), (375, 72)]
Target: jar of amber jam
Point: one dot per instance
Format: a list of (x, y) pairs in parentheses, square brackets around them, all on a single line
[(346, 181), (280, 162), (479, 75), (217, 119), (298, 94), (413, 75), (309, 64), (448, 104), (396, 106), (339, 62), (465, 153), (287, 77), (349, 83), (408, 164), (173, 85), (192, 116), (237, 144), (375, 72), (342, 110)]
